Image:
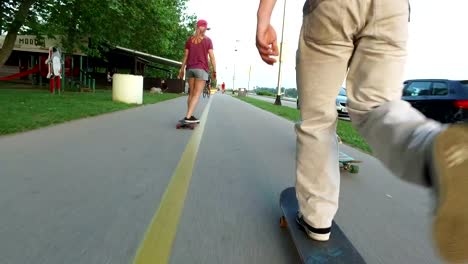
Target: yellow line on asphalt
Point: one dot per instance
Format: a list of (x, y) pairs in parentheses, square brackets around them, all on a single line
[(159, 238)]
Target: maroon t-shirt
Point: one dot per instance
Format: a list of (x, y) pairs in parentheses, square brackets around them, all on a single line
[(198, 53)]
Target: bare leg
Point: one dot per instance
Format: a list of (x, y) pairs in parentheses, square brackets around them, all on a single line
[(191, 83), (195, 95)]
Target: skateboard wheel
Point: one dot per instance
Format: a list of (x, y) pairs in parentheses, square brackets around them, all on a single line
[(283, 222), (354, 169), (346, 167)]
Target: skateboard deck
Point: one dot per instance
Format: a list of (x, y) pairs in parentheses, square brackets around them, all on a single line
[(348, 163), (183, 125), (335, 251)]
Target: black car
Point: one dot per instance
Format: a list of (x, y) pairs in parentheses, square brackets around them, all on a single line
[(443, 100)]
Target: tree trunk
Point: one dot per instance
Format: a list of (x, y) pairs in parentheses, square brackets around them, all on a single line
[(13, 29), (2, 15)]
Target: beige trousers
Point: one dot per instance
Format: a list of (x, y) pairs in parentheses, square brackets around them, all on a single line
[(363, 41)]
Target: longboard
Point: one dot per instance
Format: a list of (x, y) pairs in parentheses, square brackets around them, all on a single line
[(348, 163), (338, 250), (182, 125)]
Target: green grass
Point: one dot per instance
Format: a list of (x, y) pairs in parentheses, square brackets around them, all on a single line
[(22, 110), (345, 130)]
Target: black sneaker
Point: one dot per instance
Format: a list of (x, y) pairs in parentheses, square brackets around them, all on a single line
[(191, 120), (194, 119), (318, 234)]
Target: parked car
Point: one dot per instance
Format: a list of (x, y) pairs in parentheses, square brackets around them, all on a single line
[(341, 103), (443, 100)]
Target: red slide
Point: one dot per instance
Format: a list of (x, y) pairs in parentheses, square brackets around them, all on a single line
[(20, 74)]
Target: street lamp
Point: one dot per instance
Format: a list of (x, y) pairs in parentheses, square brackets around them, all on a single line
[(234, 73), (278, 91), (250, 71)]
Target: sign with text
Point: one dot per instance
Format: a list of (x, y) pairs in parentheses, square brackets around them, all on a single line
[(31, 43)]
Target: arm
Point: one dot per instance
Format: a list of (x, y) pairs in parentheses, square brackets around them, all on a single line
[(213, 63), (266, 35), (184, 63), (265, 9)]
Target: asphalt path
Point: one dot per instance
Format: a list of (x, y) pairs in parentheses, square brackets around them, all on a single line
[(86, 191)]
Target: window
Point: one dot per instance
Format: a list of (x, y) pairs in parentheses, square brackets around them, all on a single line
[(464, 84), (417, 89), (439, 88)]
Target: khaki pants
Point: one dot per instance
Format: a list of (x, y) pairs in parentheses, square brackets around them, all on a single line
[(363, 41)]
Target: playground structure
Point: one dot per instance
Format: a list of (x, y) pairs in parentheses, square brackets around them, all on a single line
[(27, 64), (73, 76), (34, 70)]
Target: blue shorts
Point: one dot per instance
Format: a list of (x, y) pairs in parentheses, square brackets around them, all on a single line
[(197, 74)]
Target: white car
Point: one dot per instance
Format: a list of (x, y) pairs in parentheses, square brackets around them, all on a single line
[(341, 103)]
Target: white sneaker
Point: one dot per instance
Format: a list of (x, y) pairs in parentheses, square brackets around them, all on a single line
[(318, 234)]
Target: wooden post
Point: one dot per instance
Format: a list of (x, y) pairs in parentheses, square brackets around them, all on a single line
[(40, 70), (135, 66), (32, 65), (64, 81), (81, 68), (72, 72)]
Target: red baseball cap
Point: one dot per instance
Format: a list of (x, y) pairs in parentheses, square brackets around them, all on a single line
[(202, 23)]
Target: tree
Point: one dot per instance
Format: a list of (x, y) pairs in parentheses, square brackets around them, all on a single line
[(292, 92), (14, 14), (154, 26)]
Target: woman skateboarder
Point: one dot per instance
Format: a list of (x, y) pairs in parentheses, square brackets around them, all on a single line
[(365, 42), (195, 67)]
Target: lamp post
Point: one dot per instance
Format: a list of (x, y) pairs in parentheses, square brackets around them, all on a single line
[(250, 71), (234, 73), (278, 88)]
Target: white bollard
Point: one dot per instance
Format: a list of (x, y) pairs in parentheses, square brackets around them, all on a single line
[(127, 88)]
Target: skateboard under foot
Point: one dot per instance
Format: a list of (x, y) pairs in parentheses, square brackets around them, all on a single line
[(183, 125), (338, 250)]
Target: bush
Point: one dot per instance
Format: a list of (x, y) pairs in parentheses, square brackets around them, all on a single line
[(265, 93)]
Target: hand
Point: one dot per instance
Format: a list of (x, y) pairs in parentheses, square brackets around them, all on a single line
[(213, 75), (267, 44), (181, 74)]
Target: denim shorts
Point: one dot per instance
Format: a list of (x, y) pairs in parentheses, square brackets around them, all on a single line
[(197, 74)]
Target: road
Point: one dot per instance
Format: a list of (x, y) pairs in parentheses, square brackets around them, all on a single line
[(86, 191), (285, 103), (272, 100)]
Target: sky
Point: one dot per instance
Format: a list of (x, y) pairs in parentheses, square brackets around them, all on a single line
[(437, 46)]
